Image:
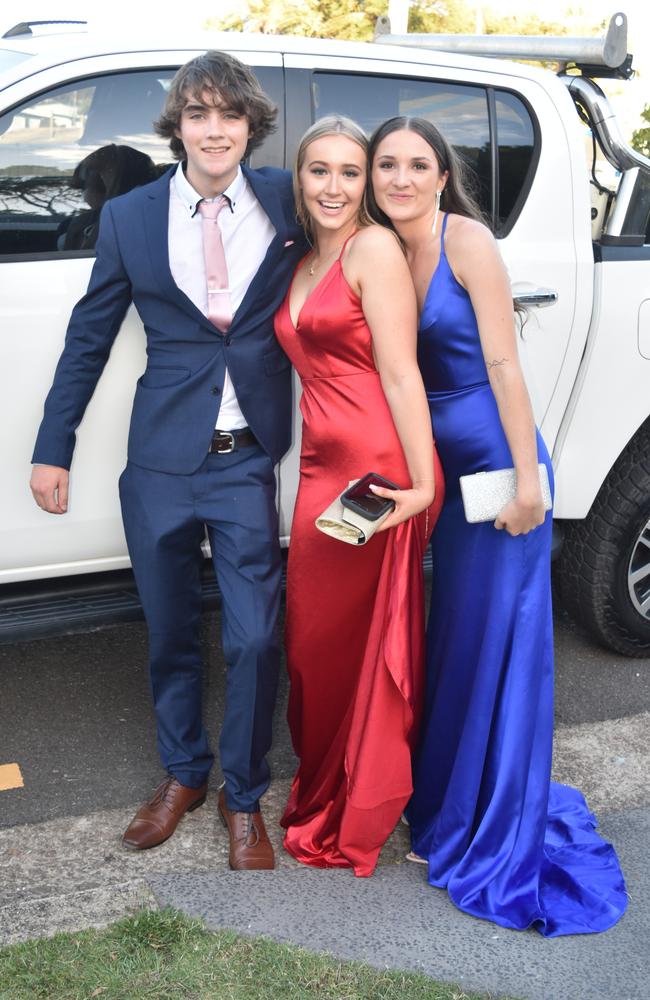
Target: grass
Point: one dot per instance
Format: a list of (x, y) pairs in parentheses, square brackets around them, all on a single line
[(164, 955)]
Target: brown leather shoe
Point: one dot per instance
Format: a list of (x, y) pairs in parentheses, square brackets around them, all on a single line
[(157, 819), (250, 846)]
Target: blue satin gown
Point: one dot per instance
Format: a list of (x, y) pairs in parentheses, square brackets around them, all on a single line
[(508, 844)]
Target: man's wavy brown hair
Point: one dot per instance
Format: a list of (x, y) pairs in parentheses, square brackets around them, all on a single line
[(229, 83)]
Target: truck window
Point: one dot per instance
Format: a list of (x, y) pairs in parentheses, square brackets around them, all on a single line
[(517, 157), (460, 112), (65, 152)]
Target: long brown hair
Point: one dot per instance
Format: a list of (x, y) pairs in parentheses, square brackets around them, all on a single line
[(457, 196), (330, 125)]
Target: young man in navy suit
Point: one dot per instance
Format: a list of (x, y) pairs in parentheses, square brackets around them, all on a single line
[(211, 418)]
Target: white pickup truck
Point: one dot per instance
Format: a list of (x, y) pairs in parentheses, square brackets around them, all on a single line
[(75, 129)]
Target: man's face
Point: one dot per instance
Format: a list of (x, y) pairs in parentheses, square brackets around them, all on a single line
[(215, 139)]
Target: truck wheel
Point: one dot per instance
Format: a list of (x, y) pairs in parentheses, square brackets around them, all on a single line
[(603, 572)]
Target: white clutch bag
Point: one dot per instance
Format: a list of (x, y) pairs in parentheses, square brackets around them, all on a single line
[(485, 494), (346, 525)]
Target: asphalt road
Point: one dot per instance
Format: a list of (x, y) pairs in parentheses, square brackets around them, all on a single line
[(75, 713)]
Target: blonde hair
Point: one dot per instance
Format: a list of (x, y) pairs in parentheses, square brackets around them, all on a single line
[(330, 125)]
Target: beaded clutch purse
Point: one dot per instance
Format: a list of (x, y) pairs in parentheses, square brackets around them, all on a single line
[(485, 494)]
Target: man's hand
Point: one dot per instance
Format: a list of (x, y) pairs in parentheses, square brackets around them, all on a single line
[(49, 485)]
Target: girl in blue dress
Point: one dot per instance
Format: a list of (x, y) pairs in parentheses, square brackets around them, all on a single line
[(508, 844)]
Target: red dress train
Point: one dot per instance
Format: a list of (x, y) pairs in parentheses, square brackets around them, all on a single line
[(355, 615)]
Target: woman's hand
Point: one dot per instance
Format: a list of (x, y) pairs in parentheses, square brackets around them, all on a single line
[(408, 503), (521, 515)]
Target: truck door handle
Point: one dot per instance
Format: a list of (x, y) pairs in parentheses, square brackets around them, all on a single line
[(539, 297)]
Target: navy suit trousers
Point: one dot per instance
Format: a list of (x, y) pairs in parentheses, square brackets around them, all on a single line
[(165, 517)]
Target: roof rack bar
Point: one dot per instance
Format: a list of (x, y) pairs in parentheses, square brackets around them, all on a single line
[(609, 52), (25, 27)]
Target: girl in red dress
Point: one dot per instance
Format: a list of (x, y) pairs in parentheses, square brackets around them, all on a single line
[(355, 615)]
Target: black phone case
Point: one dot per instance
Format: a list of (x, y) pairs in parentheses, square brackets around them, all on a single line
[(358, 508)]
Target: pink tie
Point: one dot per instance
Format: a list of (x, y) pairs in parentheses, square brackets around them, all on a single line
[(216, 270)]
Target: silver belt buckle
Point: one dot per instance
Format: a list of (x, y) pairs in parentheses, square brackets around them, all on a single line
[(227, 451)]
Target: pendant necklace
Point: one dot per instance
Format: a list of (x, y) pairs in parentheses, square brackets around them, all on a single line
[(313, 266)]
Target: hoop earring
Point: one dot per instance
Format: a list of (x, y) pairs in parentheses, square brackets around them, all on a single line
[(437, 211)]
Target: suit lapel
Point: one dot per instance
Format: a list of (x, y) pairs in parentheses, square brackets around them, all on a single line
[(269, 199), (156, 225)]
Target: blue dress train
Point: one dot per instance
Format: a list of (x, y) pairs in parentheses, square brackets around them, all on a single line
[(508, 844)]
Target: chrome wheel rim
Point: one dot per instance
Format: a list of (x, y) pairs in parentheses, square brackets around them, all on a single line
[(638, 573)]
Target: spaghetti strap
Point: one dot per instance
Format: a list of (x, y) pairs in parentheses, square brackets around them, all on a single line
[(442, 235), (354, 233)]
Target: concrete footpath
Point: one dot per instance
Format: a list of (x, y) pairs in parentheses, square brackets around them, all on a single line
[(396, 920), (71, 872)]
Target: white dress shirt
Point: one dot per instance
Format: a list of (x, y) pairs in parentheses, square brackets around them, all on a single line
[(246, 231)]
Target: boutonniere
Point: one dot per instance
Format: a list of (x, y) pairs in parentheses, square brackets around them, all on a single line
[(289, 243)]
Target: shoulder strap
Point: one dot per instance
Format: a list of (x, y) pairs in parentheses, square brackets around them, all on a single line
[(442, 233), (353, 233)]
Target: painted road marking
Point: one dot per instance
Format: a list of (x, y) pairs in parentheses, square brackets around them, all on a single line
[(10, 777)]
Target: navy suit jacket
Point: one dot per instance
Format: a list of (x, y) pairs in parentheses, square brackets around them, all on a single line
[(177, 398)]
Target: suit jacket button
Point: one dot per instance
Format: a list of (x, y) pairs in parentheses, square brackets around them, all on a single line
[(215, 390)]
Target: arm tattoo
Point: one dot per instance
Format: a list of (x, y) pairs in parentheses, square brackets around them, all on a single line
[(493, 364)]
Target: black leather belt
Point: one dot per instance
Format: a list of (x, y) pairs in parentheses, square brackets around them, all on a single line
[(223, 442)]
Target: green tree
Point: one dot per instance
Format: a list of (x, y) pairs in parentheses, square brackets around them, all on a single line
[(518, 25), (449, 17), (351, 19), (641, 136), (347, 19), (355, 19), (273, 17)]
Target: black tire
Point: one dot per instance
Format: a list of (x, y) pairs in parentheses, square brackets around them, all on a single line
[(592, 569)]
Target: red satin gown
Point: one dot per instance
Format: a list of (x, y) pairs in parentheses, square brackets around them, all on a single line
[(355, 615)]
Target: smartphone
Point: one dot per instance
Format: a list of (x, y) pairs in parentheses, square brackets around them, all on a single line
[(363, 501)]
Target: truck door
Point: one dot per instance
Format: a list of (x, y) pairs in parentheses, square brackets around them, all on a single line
[(544, 230), (72, 137)]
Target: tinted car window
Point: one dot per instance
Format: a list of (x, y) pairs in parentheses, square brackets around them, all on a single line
[(63, 153), (271, 152), (515, 136), (459, 111), (66, 152)]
